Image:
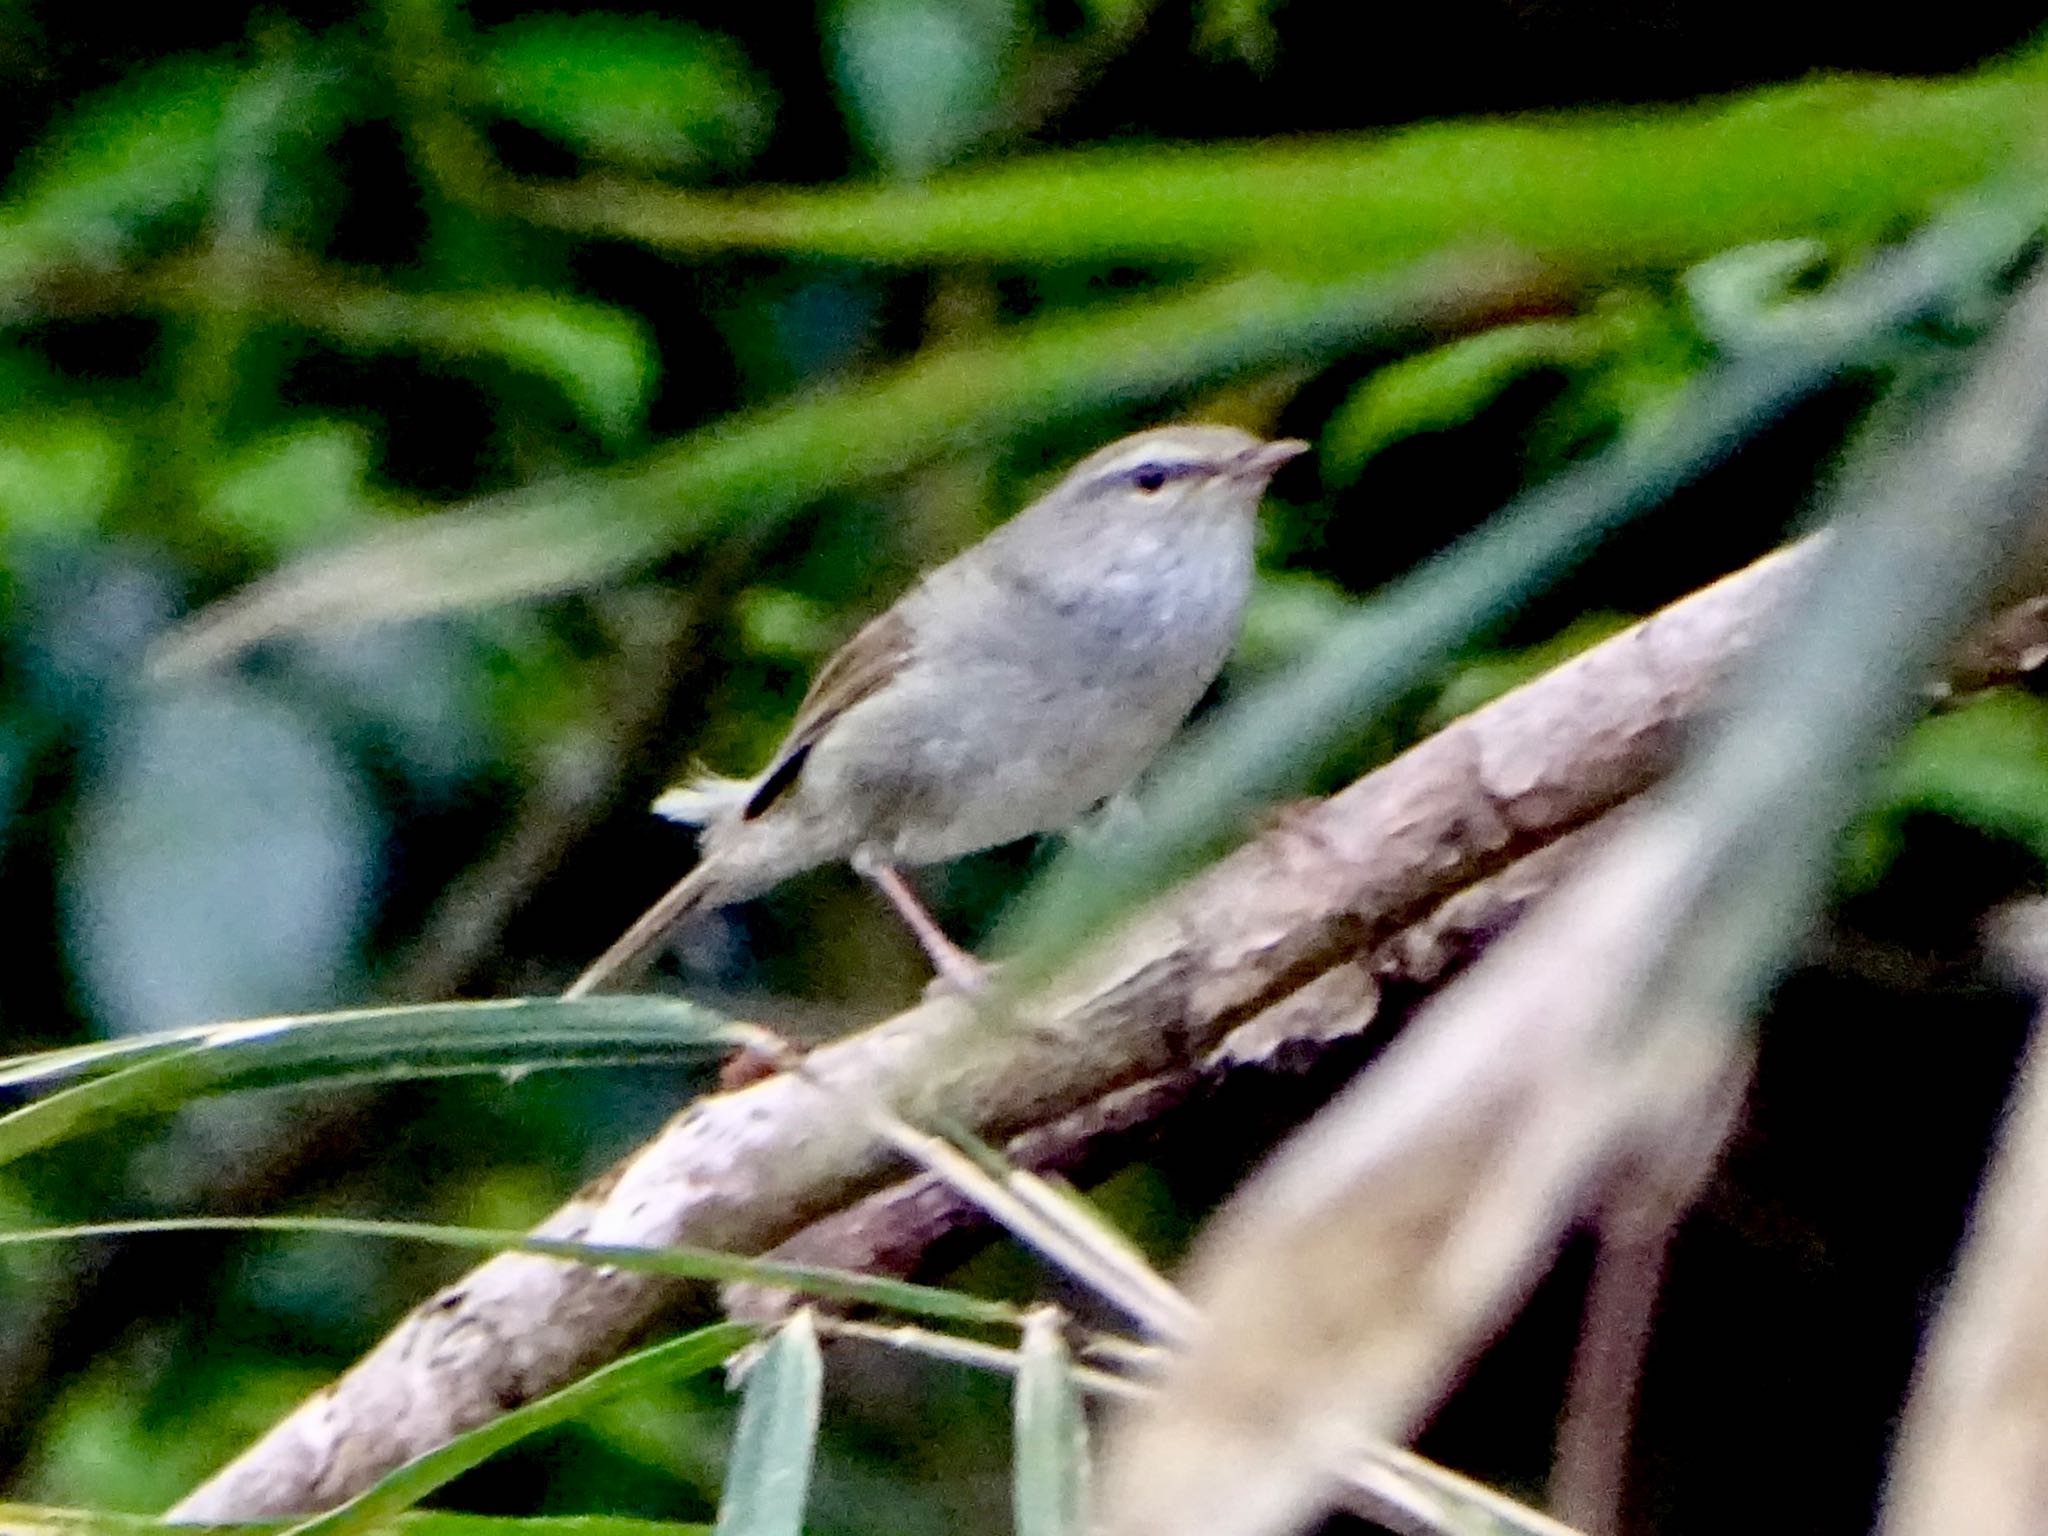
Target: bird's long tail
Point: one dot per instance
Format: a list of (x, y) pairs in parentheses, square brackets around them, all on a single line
[(631, 951)]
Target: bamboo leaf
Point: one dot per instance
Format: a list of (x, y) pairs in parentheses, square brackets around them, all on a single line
[(1050, 1491), (153, 1074), (43, 1520), (768, 1476), (1450, 384), (676, 1262), (652, 95), (1846, 159), (408, 1040), (767, 466), (691, 1355)]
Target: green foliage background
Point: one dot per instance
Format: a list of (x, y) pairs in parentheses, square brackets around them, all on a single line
[(426, 432)]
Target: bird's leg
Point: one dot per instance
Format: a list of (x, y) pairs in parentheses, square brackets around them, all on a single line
[(953, 963)]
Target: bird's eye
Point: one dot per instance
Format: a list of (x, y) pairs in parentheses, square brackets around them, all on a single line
[(1148, 478)]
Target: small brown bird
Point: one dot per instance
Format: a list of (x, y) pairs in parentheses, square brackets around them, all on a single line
[(1010, 690)]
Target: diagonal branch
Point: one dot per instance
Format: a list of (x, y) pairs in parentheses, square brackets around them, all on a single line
[(1328, 888)]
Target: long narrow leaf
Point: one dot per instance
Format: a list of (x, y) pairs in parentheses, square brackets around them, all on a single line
[(1844, 158), (1086, 1249), (1050, 1472), (157, 1074), (406, 1041), (768, 465), (680, 1263), (768, 1476), (691, 1355), (43, 1520)]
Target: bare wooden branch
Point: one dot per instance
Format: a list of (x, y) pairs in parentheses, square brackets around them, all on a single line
[(891, 1232), (745, 1171), (1324, 890)]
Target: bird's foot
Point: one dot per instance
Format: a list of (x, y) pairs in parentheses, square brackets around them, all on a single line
[(959, 975), (959, 971), (758, 1060)]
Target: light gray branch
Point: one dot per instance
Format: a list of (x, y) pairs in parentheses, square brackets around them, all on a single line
[(1331, 884)]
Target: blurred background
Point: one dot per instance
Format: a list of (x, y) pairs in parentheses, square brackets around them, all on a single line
[(426, 432)]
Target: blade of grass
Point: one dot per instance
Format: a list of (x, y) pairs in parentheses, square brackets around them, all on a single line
[(1053, 1204), (1406, 1491), (681, 1263), (691, 1355), (382, 1045), (1849, 159), (1049, 1492), (769, 464), (768, 1476), (1090, 1252), (411, 1039), (974, 1353), (43, 1520)]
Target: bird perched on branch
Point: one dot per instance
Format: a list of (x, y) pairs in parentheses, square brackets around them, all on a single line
[(1013, 688)]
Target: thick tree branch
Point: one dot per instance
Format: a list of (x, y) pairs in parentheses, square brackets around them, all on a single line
[(891, 1231), (1327, 889), (745, 1171)]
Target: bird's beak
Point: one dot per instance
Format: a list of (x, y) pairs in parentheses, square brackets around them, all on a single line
[(1264, 461)]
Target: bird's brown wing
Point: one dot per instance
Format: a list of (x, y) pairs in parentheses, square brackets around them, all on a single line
[(855, 671)]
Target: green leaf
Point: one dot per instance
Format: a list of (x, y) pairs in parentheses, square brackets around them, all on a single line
[(1983, 764), (130, 154), (922, 79), (674, 1261), (155, 1073), (407, 1041), (1451, 384), (691, 1355), (769, 464), (1242, 29), (1289, 614), (1847, 160), (768, 1476), (41, 1520), (148, 149), (58, 475), (292, 489), (1050, 1489), (650, 95), (600, 358), (1485, 678), (1737, 297)]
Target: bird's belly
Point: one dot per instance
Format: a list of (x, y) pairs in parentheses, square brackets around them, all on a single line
[(1013, 753), (1019, 734), (1072, 760)]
